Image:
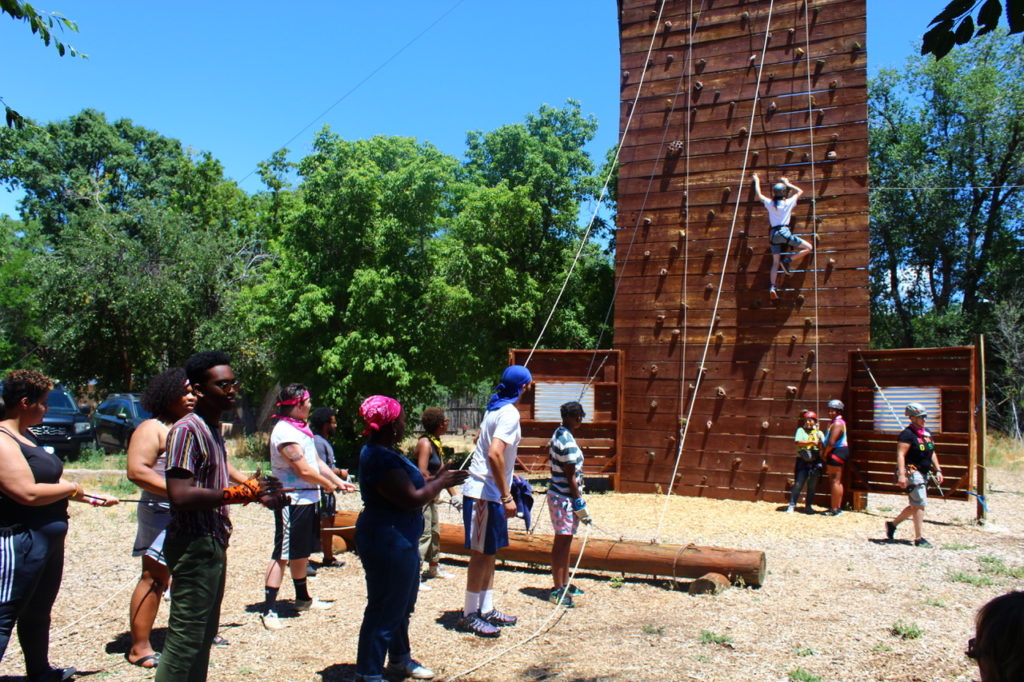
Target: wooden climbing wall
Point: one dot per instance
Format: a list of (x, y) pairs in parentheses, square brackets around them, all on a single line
[(692, 254)]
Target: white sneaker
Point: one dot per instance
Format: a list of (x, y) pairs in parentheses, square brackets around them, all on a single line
[(424, 587), (411, 669), (271, 621), (789, 509), (314, 603)]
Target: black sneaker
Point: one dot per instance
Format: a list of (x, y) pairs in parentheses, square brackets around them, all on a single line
[(476, 625), (575, 591), (921, 542), (890, 530), (55, 675), (496, 617)]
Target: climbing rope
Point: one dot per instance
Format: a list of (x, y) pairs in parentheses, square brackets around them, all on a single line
[(814, 207), (721, 278)]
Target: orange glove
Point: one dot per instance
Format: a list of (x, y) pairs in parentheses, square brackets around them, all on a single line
[(245, 492)]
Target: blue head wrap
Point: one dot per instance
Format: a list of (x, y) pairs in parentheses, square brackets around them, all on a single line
[(512, 381)]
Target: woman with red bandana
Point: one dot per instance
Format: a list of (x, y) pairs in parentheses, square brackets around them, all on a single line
[(915, 458), (387, 537)]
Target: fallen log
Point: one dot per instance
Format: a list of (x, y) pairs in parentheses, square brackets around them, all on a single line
[(743, 566)]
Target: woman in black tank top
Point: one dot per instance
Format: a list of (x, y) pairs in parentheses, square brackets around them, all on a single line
[(428, 459), (33, 523)]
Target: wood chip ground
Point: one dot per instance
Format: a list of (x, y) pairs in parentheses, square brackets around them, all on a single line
[(834, 593)]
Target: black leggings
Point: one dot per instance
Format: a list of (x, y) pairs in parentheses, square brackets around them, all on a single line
[(33, 582)]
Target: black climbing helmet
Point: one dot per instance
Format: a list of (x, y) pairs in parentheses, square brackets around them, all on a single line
[(779, 191)]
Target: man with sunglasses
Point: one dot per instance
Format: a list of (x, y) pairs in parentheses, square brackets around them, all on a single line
[(915, 458), (198, 476)]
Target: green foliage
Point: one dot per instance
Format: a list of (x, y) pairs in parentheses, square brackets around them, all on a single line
[(881, 648), (118, 487), (906, 630), (957, 546), (96, 458), (805, 651), (43, 24), (1005, 377), (20, 247), (708, 637), (937, 603), (971, 579), (654, 630), (950, 132), (801, 675), (616, 582), (997, 567), (955, 25)]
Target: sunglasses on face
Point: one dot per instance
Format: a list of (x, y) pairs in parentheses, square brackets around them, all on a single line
[(225, 384)]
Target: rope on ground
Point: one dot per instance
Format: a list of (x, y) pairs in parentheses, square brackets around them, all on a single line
[(557, 612), (721, 277), (88, 614)]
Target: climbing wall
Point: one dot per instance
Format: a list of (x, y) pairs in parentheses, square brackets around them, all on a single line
[(711, 92)]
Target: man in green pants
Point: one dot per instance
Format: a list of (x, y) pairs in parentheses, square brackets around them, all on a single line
[(198, 474)]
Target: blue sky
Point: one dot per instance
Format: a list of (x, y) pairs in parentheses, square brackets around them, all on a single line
[(239, 79)]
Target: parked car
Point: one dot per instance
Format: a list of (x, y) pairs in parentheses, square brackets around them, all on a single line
[(65, 427), (115, 421)]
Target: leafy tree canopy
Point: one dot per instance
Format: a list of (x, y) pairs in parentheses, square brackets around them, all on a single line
[(958, 23)]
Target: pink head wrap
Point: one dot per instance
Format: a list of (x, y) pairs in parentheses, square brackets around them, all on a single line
[(377, 411), (294, 401)]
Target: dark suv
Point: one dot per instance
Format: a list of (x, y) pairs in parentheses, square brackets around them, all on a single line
[(115, 421), (65, 427)]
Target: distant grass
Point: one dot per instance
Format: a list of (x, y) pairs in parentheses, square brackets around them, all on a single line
[(996, 566), (616, 581), (804, 651), (1001, 450), (708, 637), (801, 675), (654, 629), (955, 546), (938, 603), (95, 458), (882, 648), (971, 579), (118, 487), (906, 630)]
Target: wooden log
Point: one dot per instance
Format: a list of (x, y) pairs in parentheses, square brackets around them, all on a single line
[(672, 561), (711, 583)]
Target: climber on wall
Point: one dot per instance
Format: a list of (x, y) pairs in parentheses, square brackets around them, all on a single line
[(780, 208)]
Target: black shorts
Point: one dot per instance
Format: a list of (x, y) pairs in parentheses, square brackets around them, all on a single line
[(296, 532), (838, 456)]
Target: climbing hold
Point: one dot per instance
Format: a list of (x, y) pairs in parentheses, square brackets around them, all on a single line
[(755, 154), (660, 318), (807, 370), (670, 58), (799, 52), (857, 47), (835, 137), (819, 63), (749, 251), (709, 287), (668, 25), (736, 462), (720, 392), (791, 390), (745, 16), (650, 453), (653, 404), (719, 335), (768, 37), (625, 75), (708, 423), (831, 262), (675, 146), (701, 63), (673, 250), (676, 332), (663, 272), (711, 214), (653, 14), (772, 107), (743, 131), (831, 155), (792, 338), (654, 369), (647, 221), (765, 425), (807, 156), (832, 85), (682, 234), (718, 318), (791, 31), (647, 254), (668, 101), (698, 86), (709, 252), (753, 58), (771, 76), (808, 321), (765, 370)]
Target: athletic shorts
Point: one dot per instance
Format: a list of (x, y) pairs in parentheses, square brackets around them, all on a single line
[(838, 456), (485, 524), (781, 238), (917, 491), (296, 532), (563, 520)]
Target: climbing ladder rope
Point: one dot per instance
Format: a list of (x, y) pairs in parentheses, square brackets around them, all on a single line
[(721, 279), (814, 207)]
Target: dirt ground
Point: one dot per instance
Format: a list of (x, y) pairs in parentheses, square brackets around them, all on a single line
[(835, 590)]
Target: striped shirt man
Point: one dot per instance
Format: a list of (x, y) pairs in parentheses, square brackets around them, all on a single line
[(563, 450), (192, 445)]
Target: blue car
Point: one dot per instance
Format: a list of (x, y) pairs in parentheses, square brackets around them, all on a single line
[(115, 421)]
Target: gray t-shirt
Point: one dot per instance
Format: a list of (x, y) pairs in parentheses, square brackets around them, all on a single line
[(324, 450)]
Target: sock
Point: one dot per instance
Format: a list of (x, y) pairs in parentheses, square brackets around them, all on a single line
[(269, 598), (301, 594), (472, 603), (486, 601)]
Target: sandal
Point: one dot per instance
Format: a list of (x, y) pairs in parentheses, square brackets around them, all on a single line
[(141, 662)]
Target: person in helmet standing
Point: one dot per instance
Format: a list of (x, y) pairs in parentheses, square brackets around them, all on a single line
[(915, 458), (835, 454), (780, 210), (808, 460)]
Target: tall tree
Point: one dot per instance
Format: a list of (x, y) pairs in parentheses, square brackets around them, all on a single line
[(947, 168)]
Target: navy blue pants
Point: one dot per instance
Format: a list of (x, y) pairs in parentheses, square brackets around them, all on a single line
[(391, 560), (31, 569), (808, 472)]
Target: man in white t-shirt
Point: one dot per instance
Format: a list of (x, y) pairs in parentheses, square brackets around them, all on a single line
[(488, 503), (780, 211), (294, 459)]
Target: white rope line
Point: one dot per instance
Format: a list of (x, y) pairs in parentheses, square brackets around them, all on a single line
[(604, 187), (814, 209), (117, 593), (721, 277), (558, 610)]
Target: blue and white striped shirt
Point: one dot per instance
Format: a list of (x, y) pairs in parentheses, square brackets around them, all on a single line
[(562, 450)]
